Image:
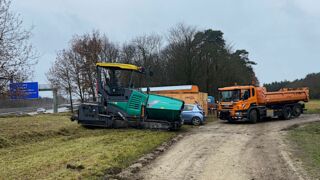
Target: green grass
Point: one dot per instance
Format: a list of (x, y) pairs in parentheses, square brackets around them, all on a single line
[(53, 147), (306, 143), (313, 107)]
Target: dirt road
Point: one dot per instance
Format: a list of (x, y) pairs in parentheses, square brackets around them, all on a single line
[(230, 151)]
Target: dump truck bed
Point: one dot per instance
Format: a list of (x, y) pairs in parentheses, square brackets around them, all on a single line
[(285, 95)]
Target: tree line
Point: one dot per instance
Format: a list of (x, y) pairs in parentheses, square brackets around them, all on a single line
[(311, 81), (184, 56)]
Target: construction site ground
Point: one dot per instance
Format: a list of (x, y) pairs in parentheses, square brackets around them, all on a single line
[(221, 150)]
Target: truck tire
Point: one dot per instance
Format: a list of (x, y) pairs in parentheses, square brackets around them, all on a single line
[(286, 113), (253, 116), (296, 110), (196, 121)]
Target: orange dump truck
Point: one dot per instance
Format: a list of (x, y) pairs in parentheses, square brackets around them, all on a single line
[(254, 103), (190, 94)]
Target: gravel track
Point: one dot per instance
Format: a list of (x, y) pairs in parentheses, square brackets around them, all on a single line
[(239, 151)]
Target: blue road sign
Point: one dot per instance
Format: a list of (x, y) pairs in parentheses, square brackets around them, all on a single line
[(27, 90)]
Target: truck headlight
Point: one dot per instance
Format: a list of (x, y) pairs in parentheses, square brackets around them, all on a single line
[(238, 113)]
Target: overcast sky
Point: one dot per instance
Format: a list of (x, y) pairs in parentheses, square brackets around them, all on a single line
[(282, 36)]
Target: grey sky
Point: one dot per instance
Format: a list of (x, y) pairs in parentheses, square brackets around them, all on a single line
[(282, 36)]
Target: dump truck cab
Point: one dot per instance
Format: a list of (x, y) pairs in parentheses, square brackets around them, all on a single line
[(235, 101), (121, 105)]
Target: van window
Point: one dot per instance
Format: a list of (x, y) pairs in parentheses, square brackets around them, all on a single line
[(252, 91)]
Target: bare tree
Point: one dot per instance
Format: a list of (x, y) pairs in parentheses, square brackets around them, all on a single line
[(60, 76), (180, 53), (88, 47), (147, 50), (110, 52), (77, 75), (16, 53), (127, 53), (147, 47)]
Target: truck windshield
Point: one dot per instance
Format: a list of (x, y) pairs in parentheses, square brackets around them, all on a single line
[(227, 96)]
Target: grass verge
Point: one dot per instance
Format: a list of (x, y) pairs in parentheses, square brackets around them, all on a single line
[(306, 145), (313, 107), (53, 147)]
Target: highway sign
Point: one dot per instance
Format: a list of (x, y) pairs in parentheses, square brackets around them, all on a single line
[(26, 90)]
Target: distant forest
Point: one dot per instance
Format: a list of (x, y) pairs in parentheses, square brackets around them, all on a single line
[(183, 56), (311, 80)]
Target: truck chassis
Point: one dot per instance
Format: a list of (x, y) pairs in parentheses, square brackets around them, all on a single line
[(257, 113)]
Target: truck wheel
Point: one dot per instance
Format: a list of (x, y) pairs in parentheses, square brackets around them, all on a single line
[(253, 116), (286, 113), (196, 121), (296, 110)]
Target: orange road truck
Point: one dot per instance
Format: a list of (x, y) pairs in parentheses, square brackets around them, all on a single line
[(251, 103)]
